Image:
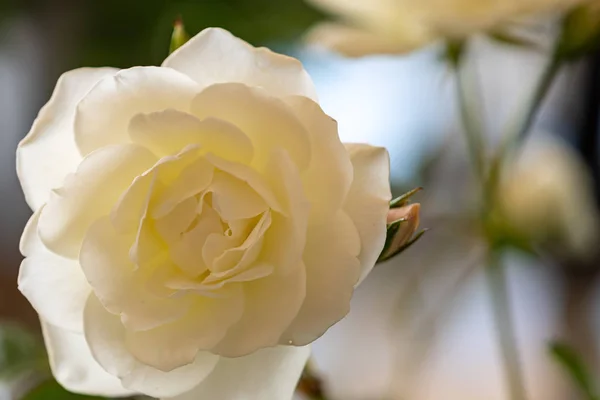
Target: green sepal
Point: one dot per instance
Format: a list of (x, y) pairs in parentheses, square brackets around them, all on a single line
[(512, 39), (403, 200), (383, 258), (572, 363)]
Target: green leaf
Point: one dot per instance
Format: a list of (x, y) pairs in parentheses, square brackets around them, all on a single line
[(20, 351), (568, 358), (51, 390), (179, 36)]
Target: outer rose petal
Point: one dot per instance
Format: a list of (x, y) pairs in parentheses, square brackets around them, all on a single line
[(368, 201), (329, 176), (332, 271), (271, 304), (105, 335), (355, 9), (55, 286), (103, 115), (216, 56), (52, 134), (74, 367), (268, 374)]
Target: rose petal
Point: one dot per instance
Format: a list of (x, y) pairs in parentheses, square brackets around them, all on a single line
[(167, 132), (268, 374), (103, 115), (74, 367), (236, 259), (106, 337), (55, 286), (216, 56), (192, 180), (235, 199), (48, 152), (285, 240), (367, 203), (331, 274), (327, 180), (90, 193), (254, 179), (185, 252), (120, 287), (355, 9), (176, 344), (271, 303), (358, 42), (266, 120)]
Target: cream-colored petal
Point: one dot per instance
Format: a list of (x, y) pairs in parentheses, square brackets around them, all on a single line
[(105, 336), (175, 224), (358, 10), (285, 240), (235, 199), (167, 132), (30, 241), (216, 56), (236, 259), (192, 180), (327, 180), (185, 253), (89, 194), (331, 274), (48, 152), (271, 303), (74, 367), (268, 374), (55, 286), (266, 120), (253, 178), (176, 344), (367, 203), (120, 287), (103, 115), (358, 42)]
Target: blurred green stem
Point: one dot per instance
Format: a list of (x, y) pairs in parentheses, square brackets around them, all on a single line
[(468, 98), (503, 320), (521, 127)]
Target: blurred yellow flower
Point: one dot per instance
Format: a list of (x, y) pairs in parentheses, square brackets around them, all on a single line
[(399, 26), (548, 197)]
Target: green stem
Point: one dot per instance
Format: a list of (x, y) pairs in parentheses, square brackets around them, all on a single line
[(503, 320), (518, 132), (472, 127)]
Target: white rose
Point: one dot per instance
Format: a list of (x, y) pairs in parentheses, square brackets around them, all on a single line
[(548, 196), (400, 26), (196, 224)]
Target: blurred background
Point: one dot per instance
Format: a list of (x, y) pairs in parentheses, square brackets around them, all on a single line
[(421, 325)]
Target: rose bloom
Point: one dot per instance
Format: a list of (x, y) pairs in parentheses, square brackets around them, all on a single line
[(398, 26), (548, 196), (195, 225)]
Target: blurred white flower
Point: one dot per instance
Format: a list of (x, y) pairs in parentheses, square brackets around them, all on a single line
[(548, 196), (398, 26), (196, 224)]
